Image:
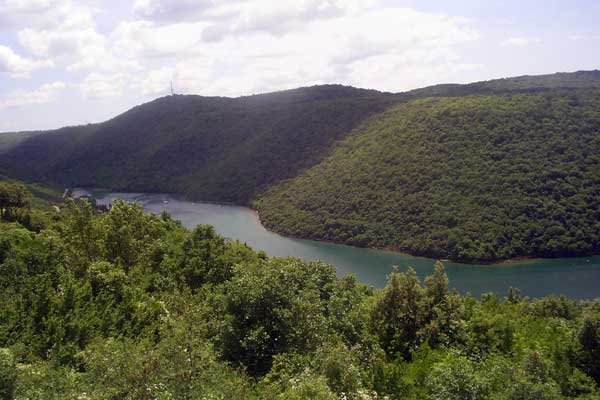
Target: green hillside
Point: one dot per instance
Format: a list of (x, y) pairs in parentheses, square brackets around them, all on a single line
[(466, 178), (490, 170), (204, 147)]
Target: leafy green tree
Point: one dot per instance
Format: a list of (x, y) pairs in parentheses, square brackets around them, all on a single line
[(456, 378), (307, 386), (399, 314), (8, 374), (447, 325), (204, 258), (341, 367), (122, 369), (48, 381), (514, 295), (83, 235), (589, 337), (14, 201), (437, 284), (275, 308)]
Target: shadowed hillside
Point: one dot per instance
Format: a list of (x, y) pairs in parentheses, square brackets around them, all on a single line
[(211, 148)]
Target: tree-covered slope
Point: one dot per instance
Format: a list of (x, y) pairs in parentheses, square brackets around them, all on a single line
[(466, 178), (224, 149), (211, 148)]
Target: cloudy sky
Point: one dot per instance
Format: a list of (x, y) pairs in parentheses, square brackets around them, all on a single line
[(65, 62)]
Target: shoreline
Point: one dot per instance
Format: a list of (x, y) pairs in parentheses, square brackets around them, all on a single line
[(256, 215), (474, 263)]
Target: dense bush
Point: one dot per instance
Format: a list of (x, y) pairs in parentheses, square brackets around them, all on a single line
[(127, 305)]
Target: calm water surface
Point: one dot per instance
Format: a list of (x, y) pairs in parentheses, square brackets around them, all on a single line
[(574, 277)]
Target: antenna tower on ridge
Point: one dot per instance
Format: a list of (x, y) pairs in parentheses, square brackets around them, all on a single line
[(171, 88)]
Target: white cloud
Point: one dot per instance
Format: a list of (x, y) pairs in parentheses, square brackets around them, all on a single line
[(69, 36), (44, 14), (6, 126), (183, 10), (60, 42), (236, 17), (583, 37), (276, 18), (155, 82), (146, 39), (46, 93), (17, 66), (239, 47), (13, 13), (96, 85), (347, 42), (521, 41)]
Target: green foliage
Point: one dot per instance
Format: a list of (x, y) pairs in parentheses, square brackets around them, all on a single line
[(307, 386), (398, 314), (589, 337), (518, 84), (276, 308), (474, 178), (204, 258), (456, 378), (8, 374), (45, 380), (14, 200), (126, 305)]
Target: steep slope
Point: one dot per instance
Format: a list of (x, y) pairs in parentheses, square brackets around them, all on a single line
[(467, 178), (205, 147)]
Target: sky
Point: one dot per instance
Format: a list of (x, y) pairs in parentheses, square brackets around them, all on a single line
[(71, 62)]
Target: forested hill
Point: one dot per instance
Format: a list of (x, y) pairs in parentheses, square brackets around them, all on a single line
[(211, 148), (484, 171), (466, 178), (223, 149), (525, 83)]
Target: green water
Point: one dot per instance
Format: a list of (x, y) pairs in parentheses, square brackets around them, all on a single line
[(574, 277)]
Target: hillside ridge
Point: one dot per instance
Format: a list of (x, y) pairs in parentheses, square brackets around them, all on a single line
[(252, 149)]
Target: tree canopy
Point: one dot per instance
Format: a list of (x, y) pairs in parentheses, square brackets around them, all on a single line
[(121, 304), (476, 178)]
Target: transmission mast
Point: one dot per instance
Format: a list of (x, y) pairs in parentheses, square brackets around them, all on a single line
[(171, 87)]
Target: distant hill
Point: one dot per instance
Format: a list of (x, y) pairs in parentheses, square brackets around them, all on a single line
[(212, 148), (525, 83), (483, 171)]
